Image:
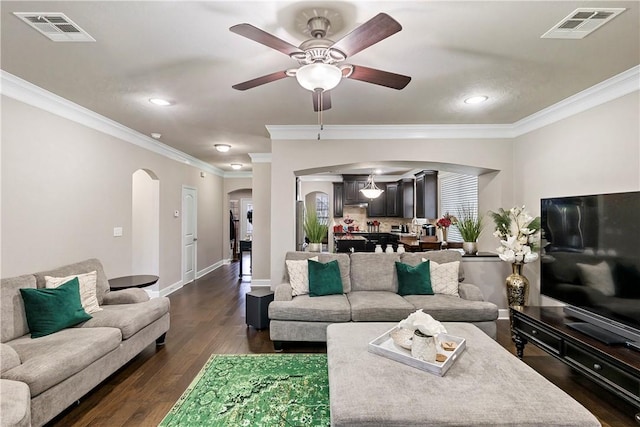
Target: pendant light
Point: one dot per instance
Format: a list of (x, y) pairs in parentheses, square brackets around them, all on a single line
[(371, 190)]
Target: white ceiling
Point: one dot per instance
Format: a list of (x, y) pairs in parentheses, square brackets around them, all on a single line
[(185, 52)]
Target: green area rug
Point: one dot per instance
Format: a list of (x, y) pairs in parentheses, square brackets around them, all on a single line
[(256, 390)]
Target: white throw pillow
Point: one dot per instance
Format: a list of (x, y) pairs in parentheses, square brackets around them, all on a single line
[(299, 275), (444, 277), (598, 277), (87, 283)]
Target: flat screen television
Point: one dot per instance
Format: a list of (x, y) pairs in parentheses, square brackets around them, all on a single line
[(590, 260)]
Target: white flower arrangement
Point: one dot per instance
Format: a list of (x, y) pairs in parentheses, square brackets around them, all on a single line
[(519, 234)]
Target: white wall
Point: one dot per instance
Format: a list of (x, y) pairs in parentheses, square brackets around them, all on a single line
[(66, 186), (263, 230), (145, 226), (596, 151)]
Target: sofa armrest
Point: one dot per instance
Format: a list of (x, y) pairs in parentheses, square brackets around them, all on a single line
[(9, 358), (283, 292), (125, 296), (470, 292)]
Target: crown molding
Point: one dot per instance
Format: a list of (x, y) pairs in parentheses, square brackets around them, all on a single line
[(23, 91), (608, 90), (260, 157), (234, 174)]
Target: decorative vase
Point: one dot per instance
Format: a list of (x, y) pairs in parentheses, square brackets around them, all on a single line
[(378, 249), (423, 347), (315, 247), (400, 248), (470, 248), (517, 286), (444, 236)]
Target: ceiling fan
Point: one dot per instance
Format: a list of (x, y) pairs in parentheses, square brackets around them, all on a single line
[(321, 59)]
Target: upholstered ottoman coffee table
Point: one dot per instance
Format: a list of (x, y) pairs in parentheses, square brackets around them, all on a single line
[(486, 386)]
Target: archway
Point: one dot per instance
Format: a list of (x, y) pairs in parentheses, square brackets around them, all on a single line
[(145, 223)]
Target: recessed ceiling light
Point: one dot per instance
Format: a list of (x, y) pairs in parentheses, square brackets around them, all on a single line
[(378, 171), (161, 102), (156, 135), (223, 148), (476, 99), (236, 166)]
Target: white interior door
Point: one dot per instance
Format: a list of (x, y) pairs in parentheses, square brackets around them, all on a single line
[(189, 237)]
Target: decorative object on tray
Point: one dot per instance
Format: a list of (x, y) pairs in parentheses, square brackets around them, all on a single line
[(519, 234), (421, 342), (444, 223), (423, 347), (470, 227)]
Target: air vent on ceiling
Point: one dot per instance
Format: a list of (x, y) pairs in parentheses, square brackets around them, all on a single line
[(55, 26), (582, 22)]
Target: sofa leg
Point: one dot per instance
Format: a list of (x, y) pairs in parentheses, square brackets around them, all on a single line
[(277, 346), (160, 340)]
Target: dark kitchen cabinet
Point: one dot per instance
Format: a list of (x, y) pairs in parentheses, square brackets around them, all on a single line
[(406, 198), (393, 199), (427, 194), (352, 186), (377, 207), (338, 195)]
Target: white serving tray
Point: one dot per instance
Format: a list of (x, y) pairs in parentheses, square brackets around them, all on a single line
[(384, 346)]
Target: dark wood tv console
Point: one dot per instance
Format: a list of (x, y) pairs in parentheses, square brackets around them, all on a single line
[(616, 368)]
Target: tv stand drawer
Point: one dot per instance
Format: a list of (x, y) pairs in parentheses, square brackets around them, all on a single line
[(538, 335), (598, 367)]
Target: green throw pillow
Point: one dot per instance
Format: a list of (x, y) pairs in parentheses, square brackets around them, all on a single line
[(324, 279), (50, 310), (414, 280)]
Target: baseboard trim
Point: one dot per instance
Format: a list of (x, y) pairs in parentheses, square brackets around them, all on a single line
[(503, 313), (171, 289), (209, 269)]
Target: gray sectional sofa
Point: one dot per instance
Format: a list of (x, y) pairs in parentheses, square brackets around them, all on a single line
[(370, 287), (40, 377)]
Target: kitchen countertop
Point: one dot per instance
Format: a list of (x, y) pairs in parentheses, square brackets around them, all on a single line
[(351, 238)]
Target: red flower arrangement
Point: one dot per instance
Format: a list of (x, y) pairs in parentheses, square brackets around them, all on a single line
[(447, 221)]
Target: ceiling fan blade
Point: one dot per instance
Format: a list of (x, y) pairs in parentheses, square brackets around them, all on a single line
[(326, 101), (374, 30), (379, 77), (262, 37), (260, 80)]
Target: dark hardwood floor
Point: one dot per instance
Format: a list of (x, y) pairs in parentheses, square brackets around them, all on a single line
[(208, 316)]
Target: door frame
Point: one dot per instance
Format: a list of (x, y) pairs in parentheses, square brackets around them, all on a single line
[(182, 231)]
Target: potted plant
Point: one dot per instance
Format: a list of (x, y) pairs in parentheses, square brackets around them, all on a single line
[(470, 226), (315, 229)]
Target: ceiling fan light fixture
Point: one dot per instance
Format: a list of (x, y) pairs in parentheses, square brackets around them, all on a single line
[(318, 76), (371, 190), (223, 148)]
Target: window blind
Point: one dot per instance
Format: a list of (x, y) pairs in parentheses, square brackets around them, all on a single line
[(457, 191)]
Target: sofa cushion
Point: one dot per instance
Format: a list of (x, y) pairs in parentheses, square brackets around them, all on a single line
[(12, 315), (298, 271), (9, 359), (414, 280), (344, 262), (102, 284), (444, 278), (50, 360), (374, 272), (324, 279), (50, 310), (129, 318), (378, 306), (441, 257), (329, 308), (87, 283), (15, 404), (447, 308)]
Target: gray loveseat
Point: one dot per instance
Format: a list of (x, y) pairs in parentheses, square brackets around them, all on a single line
[(370, 287), (40, 377)]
